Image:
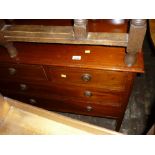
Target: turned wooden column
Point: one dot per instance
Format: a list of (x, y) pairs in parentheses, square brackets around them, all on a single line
[(8, 45), (80, 28), (135, 40)]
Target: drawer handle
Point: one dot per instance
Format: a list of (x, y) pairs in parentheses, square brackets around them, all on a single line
[(12, 71), (89, 108), (86, 77), (23, 86), (32, 101), (88, 93)]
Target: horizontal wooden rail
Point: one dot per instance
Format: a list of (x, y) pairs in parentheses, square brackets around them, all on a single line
[(76, 34), (19, 118), (60, 34)]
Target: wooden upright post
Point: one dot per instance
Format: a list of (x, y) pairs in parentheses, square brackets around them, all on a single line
[(135, 40), (8, 45), (80, 28)]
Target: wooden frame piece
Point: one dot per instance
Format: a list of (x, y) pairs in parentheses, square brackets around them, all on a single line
[(20, 118), (135, 40), (80, 28), (78, 34), (7, 44), (61, 34)]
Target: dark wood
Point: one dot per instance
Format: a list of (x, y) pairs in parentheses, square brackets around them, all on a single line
[(152, 32), (108, 80), (65, 105), (128, 86), (81, 79), (48, 90), (22, 71), (2, 23), (78, 34), (100, 57)]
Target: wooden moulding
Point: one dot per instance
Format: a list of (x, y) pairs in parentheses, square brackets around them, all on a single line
[(61, 34), (135, 40), (19, 118)]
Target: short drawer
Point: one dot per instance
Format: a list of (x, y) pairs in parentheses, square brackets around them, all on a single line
[(72, 106), (90, 94), (110, 80), (22, 71)]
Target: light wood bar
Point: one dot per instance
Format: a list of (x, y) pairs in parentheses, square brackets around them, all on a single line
[(60, 34), (19, 118)]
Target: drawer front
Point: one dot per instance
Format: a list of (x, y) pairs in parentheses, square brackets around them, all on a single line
[(71, 106), (91, 94), (109, 80), (22, 71)]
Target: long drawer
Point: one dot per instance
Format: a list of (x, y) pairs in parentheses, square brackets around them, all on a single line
[(109, 80), (72, 106), (86, 94), (22, 71)]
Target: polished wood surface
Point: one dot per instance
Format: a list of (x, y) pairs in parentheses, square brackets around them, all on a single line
[(78, 34), (22, 71), (67, 105), (98, 78), (81, 79), (100, 57), (98, 95)]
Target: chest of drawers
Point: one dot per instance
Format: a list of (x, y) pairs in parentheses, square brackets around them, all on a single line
[(81, 79)]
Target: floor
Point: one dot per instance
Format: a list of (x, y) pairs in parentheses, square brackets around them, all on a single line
[(140, 102)]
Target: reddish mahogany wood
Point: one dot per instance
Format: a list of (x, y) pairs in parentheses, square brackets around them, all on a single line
[(129, 84), (65, 105), (98, 78), (53, 78), (99, 96), (100, 57), (22, 71)]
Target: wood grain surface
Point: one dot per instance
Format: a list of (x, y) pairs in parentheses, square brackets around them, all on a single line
[(23, 119), (91, 80)]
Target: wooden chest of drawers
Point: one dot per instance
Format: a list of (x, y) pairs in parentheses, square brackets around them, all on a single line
[(82, 79)]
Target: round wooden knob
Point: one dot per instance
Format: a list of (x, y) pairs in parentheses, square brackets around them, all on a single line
[(32, 101), (88, 93), (12, 71), (86, 77), (89, 108), (23, 86)]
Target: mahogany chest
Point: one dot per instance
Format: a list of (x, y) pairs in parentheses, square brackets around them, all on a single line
[(82, 79)]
